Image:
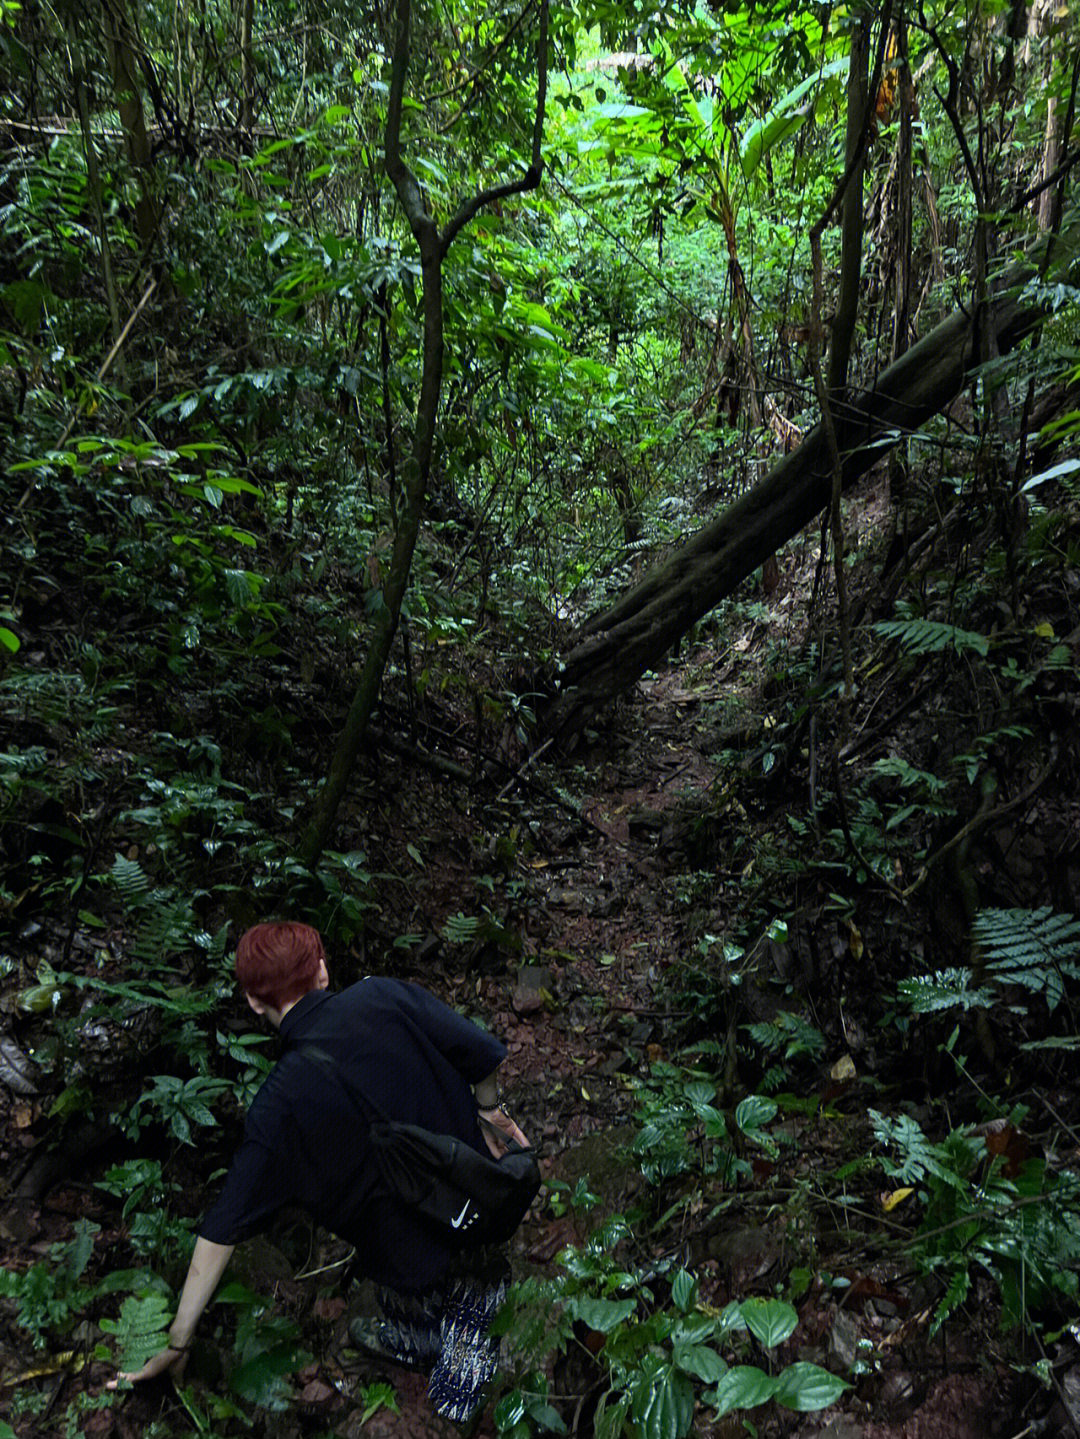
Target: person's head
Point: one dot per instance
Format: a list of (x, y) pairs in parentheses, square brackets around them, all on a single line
[(279, 963)]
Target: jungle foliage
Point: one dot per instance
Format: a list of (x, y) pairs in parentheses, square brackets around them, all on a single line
[(362, 371)]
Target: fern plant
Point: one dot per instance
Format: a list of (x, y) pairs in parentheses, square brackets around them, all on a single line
[(1020, 1230), (931, 637), (141, 1329), (1033, 949)]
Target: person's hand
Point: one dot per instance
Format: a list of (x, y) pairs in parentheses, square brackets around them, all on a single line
[(169, 1360), (494, 1124)]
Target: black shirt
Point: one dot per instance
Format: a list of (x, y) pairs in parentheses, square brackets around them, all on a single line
[(306, 1138)]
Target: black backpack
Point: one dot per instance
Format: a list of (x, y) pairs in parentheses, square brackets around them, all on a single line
[(470, 1199)]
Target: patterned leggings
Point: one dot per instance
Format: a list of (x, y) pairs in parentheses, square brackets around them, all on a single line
[(445, 1331)]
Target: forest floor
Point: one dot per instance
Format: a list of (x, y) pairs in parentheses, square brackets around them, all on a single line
[(609, 902)]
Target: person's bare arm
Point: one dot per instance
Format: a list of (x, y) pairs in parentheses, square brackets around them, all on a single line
[(205, 1270)]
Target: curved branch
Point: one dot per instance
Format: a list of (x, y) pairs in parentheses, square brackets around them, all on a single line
[(531, 177)]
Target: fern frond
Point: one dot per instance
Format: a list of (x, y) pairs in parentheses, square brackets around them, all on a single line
[(1033, 948), (141, 1329), (946, 989), (130, 879), (958, 1290), (461, 928), (926, 637), (168, 927)]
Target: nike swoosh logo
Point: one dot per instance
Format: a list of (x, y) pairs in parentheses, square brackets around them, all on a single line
[(460, 1220)]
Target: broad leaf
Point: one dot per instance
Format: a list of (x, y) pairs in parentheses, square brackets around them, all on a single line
[(700, 1361), (601, 1314), (807, 1387), (668, 1410), (743, 1387), (770, 1321)]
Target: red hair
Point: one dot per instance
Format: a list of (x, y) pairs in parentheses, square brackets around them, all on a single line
[(278, 962)]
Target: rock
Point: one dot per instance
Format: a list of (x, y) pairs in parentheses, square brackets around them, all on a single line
[(534, 989), (746, 1253), (317, 1392), (844, 1337)]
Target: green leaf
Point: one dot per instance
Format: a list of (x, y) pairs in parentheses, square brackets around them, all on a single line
[(669, 1408), (230, 485), (141, 1329), (700, 1361), (683, 1290), (24, 299), (807, 1387), (945, 989), (925, 637), (743, 1387), (509, 1410), (548, 1418), (81, 1247), (770, 1321), (784, 118), (258, 1379), (1066, 467), (9, 639), (755, 1112), (601, 1314), (378, 1396), (609, 1423)]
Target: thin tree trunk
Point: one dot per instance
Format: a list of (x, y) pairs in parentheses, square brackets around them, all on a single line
[(898, 460), (247, 65), (832, 395), (417, 469), (120, 45), (904, 176), (93, 172), (851, 224)]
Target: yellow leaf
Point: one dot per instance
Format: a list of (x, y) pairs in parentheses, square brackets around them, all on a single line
[(585, 1093), (1045, 631), (68, 1360), (890, 1201)]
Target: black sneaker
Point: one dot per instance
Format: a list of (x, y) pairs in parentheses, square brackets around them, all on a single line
[(367, 1337)]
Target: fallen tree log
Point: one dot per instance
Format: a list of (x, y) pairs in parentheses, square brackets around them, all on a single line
[(615, 647)]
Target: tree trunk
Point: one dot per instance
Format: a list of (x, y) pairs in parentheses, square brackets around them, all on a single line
[(416, 472), (246, 117), (618, 645), (93, 172), (120, 43)]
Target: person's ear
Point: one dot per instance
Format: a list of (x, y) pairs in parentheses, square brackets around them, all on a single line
[(322, 976), (256, 1004)]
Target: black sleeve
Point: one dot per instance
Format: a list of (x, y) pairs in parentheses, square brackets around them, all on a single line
[(252, 1195), (472, 1051), (260, 1178)]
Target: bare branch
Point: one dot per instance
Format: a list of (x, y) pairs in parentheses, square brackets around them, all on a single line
[(531, 177)]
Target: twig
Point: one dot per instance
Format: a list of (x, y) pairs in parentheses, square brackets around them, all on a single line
[(102, 372), (522, 770), (981, 819)]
